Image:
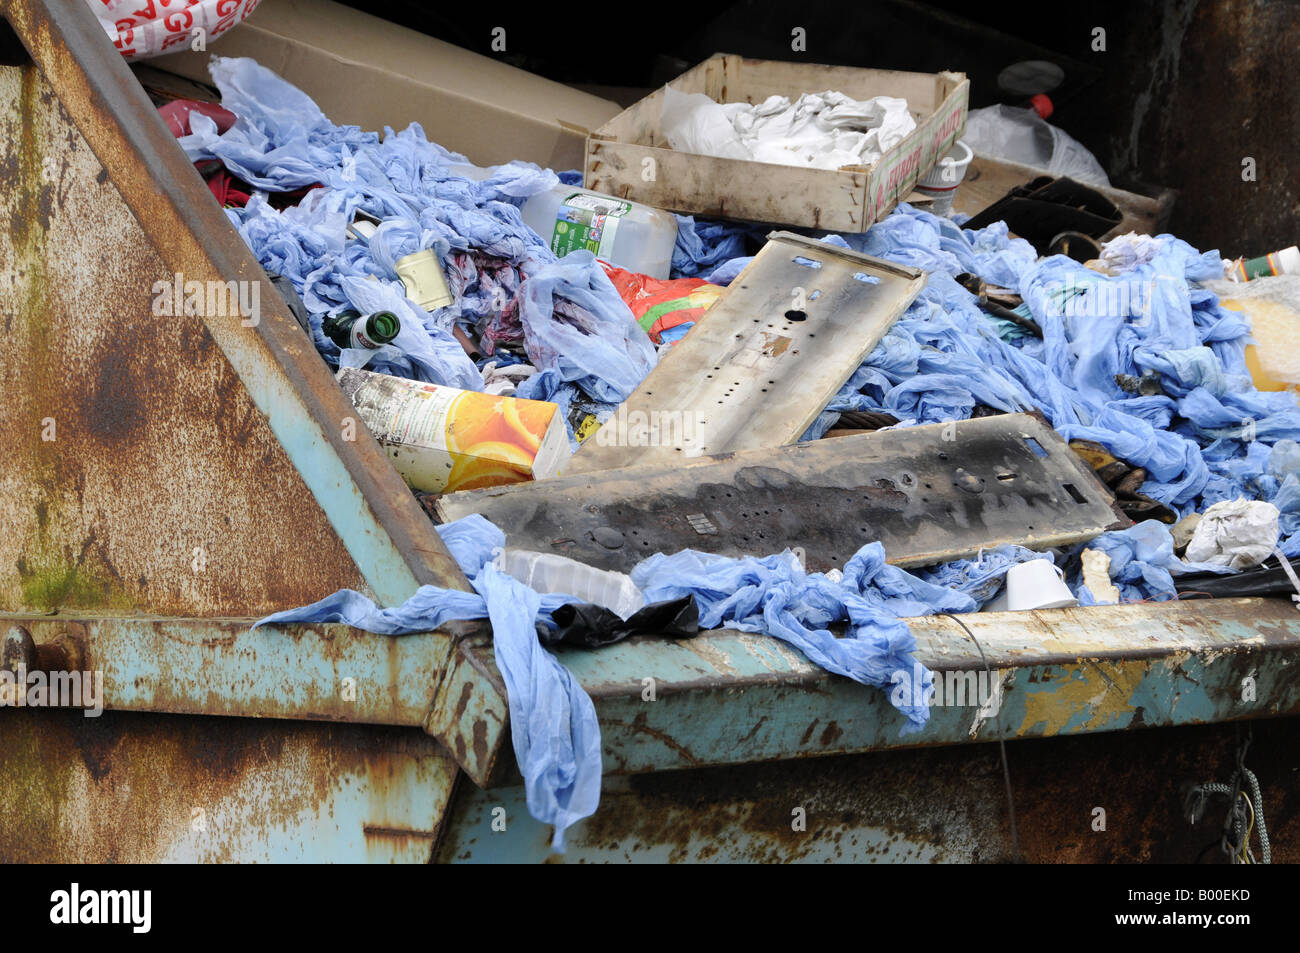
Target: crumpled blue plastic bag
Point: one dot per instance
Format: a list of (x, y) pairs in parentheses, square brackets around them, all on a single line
[(600, 357), (552, 720), (282, 141), (774, 595)]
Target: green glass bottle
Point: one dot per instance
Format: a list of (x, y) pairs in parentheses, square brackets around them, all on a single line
[(350, 329)]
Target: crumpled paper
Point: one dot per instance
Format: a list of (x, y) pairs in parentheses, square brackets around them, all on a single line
[(1239, 534)]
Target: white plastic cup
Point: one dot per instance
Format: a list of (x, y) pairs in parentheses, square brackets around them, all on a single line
[(1038, 584), (942, 180)]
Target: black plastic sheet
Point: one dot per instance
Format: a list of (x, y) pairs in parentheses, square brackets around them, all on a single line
[(591, 627)]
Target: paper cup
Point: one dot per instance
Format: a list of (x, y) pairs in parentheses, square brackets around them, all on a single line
[(1037, 584), (942, 180)]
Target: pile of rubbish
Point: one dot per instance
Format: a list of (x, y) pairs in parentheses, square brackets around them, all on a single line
[(1132, 358)]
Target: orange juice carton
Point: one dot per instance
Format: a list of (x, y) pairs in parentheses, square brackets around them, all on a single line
[(443, 439)]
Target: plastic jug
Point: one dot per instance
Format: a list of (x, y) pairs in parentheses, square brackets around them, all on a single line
[(627, 234), (547, 572)]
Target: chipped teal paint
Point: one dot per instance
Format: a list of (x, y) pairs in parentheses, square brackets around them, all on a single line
[(1197, 689), (729, 697), (220, 667), (616, 833)]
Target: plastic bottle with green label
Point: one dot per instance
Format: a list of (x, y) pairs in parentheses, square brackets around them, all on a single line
[(627, 234)]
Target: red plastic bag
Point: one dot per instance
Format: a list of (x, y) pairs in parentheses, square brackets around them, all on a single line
[(660, 305), (177, 115)]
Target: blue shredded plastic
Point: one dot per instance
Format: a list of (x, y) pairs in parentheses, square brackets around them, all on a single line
[(775, 596), (552, 720), (1209, 437), (282, 141)]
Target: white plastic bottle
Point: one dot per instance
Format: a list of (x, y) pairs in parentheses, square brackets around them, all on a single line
[(547, 572), (627, 234)]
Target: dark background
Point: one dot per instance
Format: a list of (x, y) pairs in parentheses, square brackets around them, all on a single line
[(1184, 91)]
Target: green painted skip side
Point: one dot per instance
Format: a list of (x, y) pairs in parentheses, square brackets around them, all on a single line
[(729, 697)]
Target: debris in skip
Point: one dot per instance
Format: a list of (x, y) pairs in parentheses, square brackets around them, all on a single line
[(914, 319), (414, 458)]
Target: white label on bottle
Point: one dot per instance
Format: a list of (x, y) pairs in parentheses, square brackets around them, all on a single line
[(587, 222), (358, 337)]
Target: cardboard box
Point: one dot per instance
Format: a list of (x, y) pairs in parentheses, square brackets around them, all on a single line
[(848, 199), (365, 71), (442, 439)]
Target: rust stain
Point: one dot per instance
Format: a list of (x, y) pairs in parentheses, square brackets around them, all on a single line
[(159, 451), (772, 344), (639, 724), (148, 788), (870, 808)]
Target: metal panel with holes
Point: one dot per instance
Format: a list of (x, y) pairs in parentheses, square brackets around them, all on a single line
[(929, 494), (763, 362)]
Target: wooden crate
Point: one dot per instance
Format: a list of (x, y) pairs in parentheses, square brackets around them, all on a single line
[(629, 156)]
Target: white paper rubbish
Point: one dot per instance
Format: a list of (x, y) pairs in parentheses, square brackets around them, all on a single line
[(824, 130), (1239, 534), (1096, 576)]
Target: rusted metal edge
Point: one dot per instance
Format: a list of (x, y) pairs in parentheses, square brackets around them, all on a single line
[(470, 716), (729, 697), (375, 515), (311, 672), (325, 672)]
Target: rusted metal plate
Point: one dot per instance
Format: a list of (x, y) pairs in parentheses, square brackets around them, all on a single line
[(470, 715), (221, 667), (924, 805), (727, 697), (163, 462), (139, 475), (132, 788), (764, 361), (930, 494), (179, 432)]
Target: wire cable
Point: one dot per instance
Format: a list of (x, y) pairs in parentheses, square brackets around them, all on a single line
[(1002, 745)]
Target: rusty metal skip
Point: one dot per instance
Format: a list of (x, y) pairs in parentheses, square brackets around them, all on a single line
[(158, 495)]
